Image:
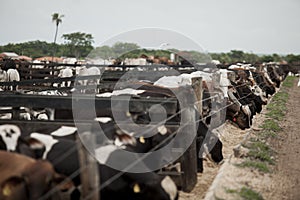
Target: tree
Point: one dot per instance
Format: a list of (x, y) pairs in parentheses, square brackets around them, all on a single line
[(237, 56), (57, 18), (104, 52), (80, 44), (121, 48)]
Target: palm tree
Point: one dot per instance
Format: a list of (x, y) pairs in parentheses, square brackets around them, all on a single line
[(57, 18)]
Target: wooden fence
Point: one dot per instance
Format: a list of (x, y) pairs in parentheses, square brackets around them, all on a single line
[(34, 79)]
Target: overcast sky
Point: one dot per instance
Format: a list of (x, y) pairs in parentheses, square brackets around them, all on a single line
[(259, 26)]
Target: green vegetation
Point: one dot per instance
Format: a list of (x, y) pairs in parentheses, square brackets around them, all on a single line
[(249, 194), (260, 151), (289, 81), (246, 193), (240, 56), (271, 125), (260, 155), (57, 18), (267, 134), (80, 44), (276, 109), (261, 166)]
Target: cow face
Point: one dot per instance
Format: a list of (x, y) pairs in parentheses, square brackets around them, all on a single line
[(9, 136), (160, 189), (242, 120), (40, 178), (14, 188), (36, 181), (237, 117), (216, 151), (211, 145)]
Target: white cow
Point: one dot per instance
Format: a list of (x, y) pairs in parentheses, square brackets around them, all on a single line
[(84, 71), (3, 76), (13, 75), (66, 73)]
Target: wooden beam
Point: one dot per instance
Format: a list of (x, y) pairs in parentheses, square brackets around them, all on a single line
[(89, 175), (197, 86), (101, 103)]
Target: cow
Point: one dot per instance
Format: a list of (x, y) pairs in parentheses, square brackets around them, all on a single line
[(236, 111), (84, 71), (161, 88), (66, 73), (274, 75), (237, 116), (263, 83), (3, 75), (63, 154), (12, 76), (23, 178)]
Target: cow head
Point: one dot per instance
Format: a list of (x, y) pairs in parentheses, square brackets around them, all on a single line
[(216, 150), (37, 180), (158, 188), (9, 137), (208, 142), (238, 117), (242, 120)]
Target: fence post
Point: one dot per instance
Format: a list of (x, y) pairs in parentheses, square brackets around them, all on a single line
[(188, 160), (89, 176), (15, 113), (197, 86)]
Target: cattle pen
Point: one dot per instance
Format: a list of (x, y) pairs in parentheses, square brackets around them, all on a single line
[(33, 79), (70, 105)]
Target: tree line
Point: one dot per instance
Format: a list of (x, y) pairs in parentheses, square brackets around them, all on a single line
[(76, 44), (79, 45)]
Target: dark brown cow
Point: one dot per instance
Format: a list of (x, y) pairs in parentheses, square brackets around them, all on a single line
[(24, 178)]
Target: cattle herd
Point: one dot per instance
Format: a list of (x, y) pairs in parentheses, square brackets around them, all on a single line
[(39, 148)]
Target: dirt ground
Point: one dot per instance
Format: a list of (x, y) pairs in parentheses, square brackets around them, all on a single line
[(282, 183), (285, 183), (230, 136)]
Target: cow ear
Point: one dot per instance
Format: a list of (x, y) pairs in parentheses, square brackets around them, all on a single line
[(124, 138), (63, 183), (36, 146), (9, 185), (34, 143)]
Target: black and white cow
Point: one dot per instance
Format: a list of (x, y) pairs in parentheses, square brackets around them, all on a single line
[(63, 154)]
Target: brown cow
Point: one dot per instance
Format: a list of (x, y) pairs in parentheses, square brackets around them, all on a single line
[(24, 178)]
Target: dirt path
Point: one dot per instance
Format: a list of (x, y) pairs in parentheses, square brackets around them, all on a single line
[(285, 183), (282, 184)]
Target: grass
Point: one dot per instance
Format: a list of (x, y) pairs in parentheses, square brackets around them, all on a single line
[(276, 114), (277, 108), (260, 155), (289, 81), (246, 193), (267, 134), (249, 194), (260, 166), (260, 151), (270, 125)]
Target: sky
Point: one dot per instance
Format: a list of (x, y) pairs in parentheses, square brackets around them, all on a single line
[(258, 26)]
